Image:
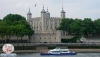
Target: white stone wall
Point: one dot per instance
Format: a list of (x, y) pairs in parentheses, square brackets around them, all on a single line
[(45, 28), (50, 24), (48, 38), (15, 38)]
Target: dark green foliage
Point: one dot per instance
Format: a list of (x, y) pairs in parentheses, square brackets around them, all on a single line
[(25, 47), (88, 26), (96, 30), (51, 47), (15, 25), (72, 40), (85, 27), (65, 40), (65, 24), (84, 47), (76, 26), (80, 27), (13, 17)]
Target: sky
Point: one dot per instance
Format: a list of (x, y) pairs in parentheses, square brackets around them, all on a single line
[(74, 8)]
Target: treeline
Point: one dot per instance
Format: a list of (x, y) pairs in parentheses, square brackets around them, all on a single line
[(80, 27), (14, 25), (78, 47)]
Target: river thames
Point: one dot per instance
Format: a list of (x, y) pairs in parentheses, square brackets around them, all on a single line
[(78, 55)]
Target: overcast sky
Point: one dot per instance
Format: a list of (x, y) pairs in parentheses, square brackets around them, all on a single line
[(73, 8)]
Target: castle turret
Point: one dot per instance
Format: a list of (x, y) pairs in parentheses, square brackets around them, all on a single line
[(43, 17), (47, 13), (63, 13), (43, 12), (29, 16)]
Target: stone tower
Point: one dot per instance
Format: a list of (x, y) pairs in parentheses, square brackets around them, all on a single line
[(63, 13), (47, 13), (43, 19), (29, 16)]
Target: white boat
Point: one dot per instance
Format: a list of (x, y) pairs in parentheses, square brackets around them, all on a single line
[(58, 51)]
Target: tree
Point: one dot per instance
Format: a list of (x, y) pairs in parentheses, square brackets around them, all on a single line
[(76, 27), (97, 27), (88, 26), (65, 24), (3, 30), (15, 25)]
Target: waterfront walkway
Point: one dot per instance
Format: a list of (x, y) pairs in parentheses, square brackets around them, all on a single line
[(36, 44), (76, 50)]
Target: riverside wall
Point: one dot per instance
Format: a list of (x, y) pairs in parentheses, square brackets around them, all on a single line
[(45, 50), (44, 47)]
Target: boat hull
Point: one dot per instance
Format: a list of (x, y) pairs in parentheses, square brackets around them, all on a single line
[(59, 54)]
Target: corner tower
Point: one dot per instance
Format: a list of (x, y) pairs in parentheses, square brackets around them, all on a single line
[(63, 13), (29, 16), (47, 13), (43, 19)]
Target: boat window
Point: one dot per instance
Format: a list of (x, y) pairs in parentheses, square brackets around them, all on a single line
[(65, 51)]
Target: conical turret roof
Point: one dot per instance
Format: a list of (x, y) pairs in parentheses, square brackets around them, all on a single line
[(29, 13)]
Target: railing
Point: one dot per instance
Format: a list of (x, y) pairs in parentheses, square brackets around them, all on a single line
[(53, 44)]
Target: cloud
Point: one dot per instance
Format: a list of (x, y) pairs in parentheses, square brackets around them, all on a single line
[(74, 8)]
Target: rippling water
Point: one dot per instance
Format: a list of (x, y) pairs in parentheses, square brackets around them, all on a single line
[(78, 55)]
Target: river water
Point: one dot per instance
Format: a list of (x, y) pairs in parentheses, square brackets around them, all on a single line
[(78, 55)]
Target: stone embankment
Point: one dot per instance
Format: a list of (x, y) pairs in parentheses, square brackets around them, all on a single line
[(45, 50), (76, 50)]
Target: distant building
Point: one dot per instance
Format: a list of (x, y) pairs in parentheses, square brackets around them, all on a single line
[(45, 27)]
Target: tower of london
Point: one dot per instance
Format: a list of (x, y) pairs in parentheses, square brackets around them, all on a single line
[(45, 27)]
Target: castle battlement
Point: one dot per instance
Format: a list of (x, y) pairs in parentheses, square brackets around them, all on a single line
[(36, 17), (56, 17), (45, 27)]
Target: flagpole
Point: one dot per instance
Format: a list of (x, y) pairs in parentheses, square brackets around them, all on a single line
[(36, 11)]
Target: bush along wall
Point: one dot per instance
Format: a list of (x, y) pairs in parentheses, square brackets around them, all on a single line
[(78, 47), (84, 47), (51, 47), (54, 46), (25, 47), (72, 40), (75, 38)]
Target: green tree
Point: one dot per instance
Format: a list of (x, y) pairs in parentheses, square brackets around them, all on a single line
[(97, 27), (15, 25), (77, 27), (65, 24), (2, 30), (88, 26)]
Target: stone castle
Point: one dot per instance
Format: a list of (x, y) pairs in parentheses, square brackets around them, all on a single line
[(45, 27)]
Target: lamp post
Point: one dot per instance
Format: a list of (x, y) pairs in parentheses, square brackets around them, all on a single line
[(50, 38), (39, 38)]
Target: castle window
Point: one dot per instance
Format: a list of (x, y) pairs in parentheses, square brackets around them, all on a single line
[(40, 37), (55, 27), (46, 28), (51, 27)]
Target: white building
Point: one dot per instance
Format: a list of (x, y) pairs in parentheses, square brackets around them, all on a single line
[(45, 27)]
